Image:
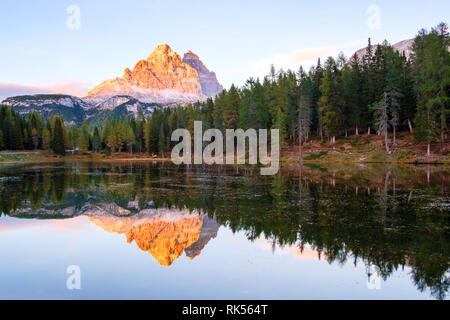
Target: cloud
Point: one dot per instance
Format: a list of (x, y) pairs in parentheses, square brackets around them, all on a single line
[(302, 56), (77, 224), (307, 253), (78, 89)]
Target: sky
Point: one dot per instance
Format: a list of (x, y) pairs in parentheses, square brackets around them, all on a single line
[(45, 48)]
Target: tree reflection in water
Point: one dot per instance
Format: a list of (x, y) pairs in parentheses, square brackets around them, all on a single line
[(389, 217)]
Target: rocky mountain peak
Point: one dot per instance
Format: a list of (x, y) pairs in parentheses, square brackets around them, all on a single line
[(163, 53), (208, 79), (163, 77)]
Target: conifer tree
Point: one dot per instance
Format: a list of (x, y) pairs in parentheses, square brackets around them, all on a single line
[(96, 140), (162, 140), (139, 134), (75, 135), (130, 138), (45, 139), (58, 140), (2, 143), (231, 110), (84, 137), (432, 69), (35, 137)]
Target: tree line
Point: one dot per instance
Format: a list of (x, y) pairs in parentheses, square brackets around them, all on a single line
[(382, 91)]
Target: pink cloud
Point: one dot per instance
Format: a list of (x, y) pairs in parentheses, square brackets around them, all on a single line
[(77, 224), (301, 56), (78, 89)]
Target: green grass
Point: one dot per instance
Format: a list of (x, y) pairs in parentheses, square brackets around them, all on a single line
[(13, 156), (315, 156)]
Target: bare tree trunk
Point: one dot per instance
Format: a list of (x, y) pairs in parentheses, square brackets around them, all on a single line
[(386, 180), (357, 132), (394, 183), (368, 131), (428, 150), (346, 133), (410, 197), (386, 143), (394, 144), (300, 130), (410, 126)]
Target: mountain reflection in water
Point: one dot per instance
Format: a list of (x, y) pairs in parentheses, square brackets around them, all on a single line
[(163, 233), (388, 217)]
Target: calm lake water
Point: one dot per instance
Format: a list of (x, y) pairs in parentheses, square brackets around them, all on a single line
[(156, 231)]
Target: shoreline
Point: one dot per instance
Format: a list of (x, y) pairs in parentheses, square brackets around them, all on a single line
[(357, 150), (284, 161)]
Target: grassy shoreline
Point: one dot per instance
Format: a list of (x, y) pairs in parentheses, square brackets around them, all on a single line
[(349, 150)]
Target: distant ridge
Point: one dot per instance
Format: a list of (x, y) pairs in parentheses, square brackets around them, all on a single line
[(402, 47)]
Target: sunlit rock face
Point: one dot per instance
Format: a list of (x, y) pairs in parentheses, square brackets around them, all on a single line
[(163, 233), (163, 78), (209, 231), (208, 79)]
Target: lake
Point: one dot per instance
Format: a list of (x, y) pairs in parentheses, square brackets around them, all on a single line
[(158, 231)]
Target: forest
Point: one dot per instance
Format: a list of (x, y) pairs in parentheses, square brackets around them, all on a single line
[(382, 92)]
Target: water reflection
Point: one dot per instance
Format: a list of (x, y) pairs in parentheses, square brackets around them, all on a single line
[(388, 217), (163, 233)]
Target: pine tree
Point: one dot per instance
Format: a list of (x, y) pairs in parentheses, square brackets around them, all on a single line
[(106, 131), (304, 119), (140, 125), (112, 142), (162, 140), (35, 138), (393, 88), (84, 137), (280, 124), (219, 107), (120, 134), (2, 143), (130, 138), (58, 141), (147, 134), (331, 101), (75, 135), (45, 139), (96, 140), (432, 69), (231, 110)]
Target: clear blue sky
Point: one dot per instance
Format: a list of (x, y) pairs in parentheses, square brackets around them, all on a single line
[(236, 39)]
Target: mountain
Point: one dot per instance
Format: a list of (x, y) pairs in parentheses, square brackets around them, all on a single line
[(208, 81), (74, 110), (163, 77), (163, 233), (404, 46)]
